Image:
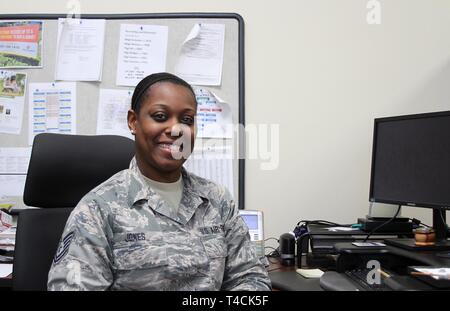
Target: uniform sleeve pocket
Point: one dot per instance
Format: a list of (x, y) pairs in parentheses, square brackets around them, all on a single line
[(215, 246), (139, 254)]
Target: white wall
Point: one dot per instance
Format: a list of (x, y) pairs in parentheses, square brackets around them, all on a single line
[(320, 71)]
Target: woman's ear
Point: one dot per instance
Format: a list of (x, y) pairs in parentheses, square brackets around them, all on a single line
[(132, 119)]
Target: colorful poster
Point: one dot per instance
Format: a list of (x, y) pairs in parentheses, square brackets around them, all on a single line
[(20, 44)]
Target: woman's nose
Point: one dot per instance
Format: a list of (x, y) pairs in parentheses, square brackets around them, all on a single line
[(174, 129)]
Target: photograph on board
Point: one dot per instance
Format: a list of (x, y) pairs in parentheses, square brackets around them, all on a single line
[(12, 83)]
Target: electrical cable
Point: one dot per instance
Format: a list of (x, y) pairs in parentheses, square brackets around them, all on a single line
[(383, 224), (443, 221), (271, 239), (419, 222), (322, 222)]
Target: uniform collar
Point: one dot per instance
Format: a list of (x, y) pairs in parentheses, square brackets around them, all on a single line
[(193, 195)]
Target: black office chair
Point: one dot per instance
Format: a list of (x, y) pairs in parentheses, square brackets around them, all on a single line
[(62, 169)]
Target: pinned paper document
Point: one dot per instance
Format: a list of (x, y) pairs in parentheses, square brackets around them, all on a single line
[(52, 108), (13, 170), (142, 51), (214, 118), (213, 162), (195, 31), (112, 112), (201, 55), (80, 49)]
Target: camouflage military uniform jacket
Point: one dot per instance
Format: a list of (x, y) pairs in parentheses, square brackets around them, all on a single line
[(121, 236)]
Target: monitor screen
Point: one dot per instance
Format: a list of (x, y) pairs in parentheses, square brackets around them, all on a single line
[(411, 160), (251, 221)]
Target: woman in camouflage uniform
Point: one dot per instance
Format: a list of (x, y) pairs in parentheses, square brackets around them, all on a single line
[(156, 226)]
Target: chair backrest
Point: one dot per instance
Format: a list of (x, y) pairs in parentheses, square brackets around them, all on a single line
[(62, 169), (38, 234)]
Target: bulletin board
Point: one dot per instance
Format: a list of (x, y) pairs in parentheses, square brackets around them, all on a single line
[(231, 89)]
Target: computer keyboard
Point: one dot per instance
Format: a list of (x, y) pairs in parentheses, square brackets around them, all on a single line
[(359, 276)]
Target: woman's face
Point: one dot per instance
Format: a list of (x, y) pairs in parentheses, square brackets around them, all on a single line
[(166, 119)]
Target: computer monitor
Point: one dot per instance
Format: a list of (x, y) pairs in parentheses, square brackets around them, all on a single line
[(411, 163)]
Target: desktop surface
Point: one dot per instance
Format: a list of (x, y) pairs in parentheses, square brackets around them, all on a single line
[(351, 274), (354, 280), (285, 278), (292, 281), (390, 262)]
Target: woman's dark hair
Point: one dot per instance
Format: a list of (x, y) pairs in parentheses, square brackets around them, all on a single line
[(141, 90)]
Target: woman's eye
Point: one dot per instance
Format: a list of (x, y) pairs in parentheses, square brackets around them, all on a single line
[(160, 117), (187, 120)]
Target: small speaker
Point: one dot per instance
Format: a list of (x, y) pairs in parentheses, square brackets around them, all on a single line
[(287, 249)]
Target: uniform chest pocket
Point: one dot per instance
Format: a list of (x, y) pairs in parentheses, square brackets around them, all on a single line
[(138, 251), (215, 246)]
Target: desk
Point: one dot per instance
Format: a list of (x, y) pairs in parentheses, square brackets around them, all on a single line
[(285, 278), (396, 260)]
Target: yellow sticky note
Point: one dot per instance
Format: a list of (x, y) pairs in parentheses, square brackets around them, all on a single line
[(310, 273)]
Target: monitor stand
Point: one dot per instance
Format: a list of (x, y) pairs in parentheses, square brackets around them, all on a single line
[(410, 244), (439, 225)]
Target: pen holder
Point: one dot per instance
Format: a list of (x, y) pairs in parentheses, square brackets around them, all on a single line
[(424, 236)]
